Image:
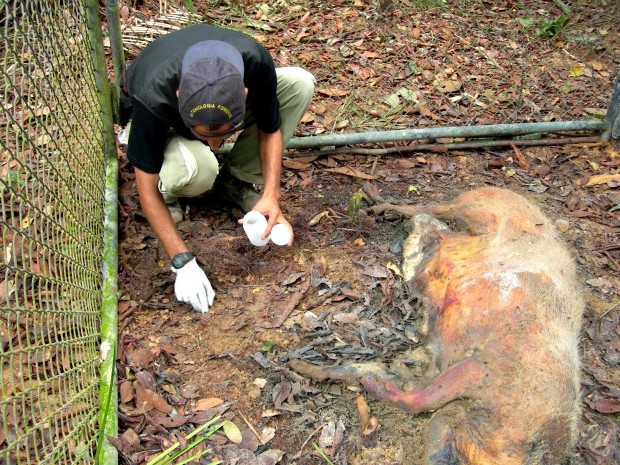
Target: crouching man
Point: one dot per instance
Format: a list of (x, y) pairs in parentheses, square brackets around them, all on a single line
[(189, 91)]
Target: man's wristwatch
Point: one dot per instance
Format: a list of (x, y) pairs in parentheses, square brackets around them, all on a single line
[(181, 259)]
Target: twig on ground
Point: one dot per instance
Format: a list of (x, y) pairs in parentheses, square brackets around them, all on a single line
[(247, 422), (309, 437)]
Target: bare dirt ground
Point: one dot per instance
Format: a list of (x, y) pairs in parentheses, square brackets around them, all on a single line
[(334, 296)]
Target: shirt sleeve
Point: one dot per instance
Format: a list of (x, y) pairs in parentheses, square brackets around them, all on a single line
[(262, 95), (147, 139)]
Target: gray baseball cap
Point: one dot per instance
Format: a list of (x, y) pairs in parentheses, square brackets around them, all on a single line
[(211, 90)]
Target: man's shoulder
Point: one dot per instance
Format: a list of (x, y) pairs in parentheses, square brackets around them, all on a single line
[(199, 32)]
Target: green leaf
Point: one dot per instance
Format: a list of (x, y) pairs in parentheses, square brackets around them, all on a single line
[(415, 189), (537, 186), (565, 89), (268, 345), (552, 28), (393, 100), (265, 9), (355, 203), (232, 432), (189, 4), (526, 22), (408, 95)]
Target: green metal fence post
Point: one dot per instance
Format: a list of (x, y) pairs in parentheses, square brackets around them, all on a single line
[(108, 399), (116, 45)]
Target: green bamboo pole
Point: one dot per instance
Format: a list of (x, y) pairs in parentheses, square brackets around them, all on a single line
[(108, 396), (116, 45), (492, 130)]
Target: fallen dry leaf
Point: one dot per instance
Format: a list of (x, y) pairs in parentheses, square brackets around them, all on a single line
[(269, 457), (520, 157), (249, 440), (318, 217), (294, 165), (604, 405), (281, 309), (350, 171), (267, 434), (375, 271), (603, 179), (448, 86), (331, 437), (205, 404), (131, 438), (368, 424), (172, 422), (281, 392), (149, 400), (126, 391), (140, 358), (333, 92)]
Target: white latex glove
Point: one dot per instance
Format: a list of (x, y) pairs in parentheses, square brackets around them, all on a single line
[(193, 286)]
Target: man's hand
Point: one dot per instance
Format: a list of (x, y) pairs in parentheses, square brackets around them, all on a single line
[(193, 286), (271, 209)]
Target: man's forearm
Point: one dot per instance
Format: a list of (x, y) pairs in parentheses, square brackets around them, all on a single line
[(270, 149), (164, 228), (157, 214)]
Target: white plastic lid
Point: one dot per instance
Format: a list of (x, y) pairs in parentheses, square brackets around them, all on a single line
[(280, 234)]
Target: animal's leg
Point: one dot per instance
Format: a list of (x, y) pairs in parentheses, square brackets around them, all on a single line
[(349, 373), (404, 210), (460, 381)]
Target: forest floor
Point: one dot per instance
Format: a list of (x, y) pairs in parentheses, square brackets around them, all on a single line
[(334, 295)]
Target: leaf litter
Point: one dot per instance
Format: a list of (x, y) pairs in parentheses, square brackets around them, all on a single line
[(336, 295)]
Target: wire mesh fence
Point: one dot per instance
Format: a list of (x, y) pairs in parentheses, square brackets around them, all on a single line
[(52, 185)]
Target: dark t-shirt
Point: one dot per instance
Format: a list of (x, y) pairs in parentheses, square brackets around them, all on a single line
[(152, 80)]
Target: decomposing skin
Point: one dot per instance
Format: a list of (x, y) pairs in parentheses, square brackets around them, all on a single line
[(502, 314)]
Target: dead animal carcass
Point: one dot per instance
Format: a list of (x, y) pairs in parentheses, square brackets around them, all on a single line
[(502, 314)]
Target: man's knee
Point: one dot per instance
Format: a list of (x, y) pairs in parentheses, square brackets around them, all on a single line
[(297, 81), (189, 168)]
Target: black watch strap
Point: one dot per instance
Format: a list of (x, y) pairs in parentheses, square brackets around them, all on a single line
[(181, 259)]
